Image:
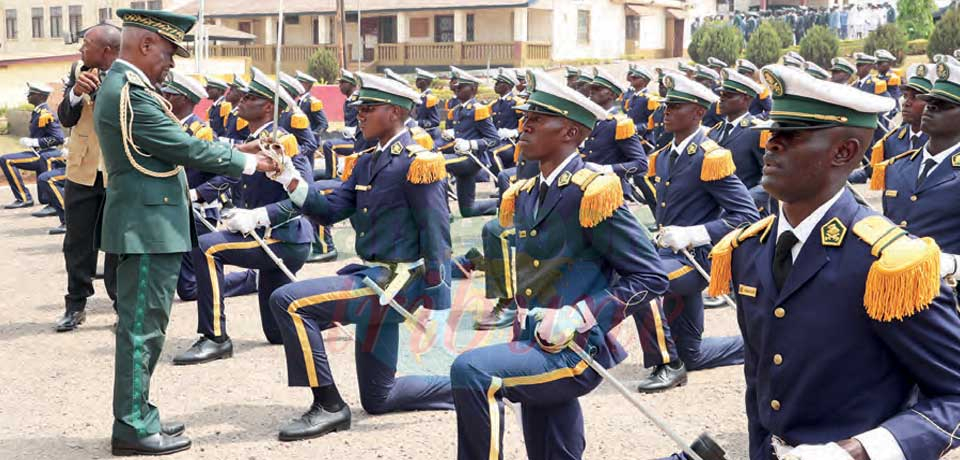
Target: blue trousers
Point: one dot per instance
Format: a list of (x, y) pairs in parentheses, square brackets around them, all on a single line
[(331, 148), (50, 189), (39, 163), (217, 249), (682, 335), (466, 171), (546, 385), (234, 283), (323, 239), (503, 156), (307, 308)]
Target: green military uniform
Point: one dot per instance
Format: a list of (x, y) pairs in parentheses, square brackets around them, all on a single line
[(147, 218)]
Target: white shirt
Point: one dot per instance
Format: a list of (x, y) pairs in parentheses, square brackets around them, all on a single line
[(392, 139), (938, 158), (559, 169), (878, 442), (733, 123), (803, 230), (684, 143)]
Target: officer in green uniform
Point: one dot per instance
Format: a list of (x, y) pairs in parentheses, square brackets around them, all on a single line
[(146, 217)]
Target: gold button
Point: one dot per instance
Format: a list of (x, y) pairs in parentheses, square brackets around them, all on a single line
[(363, 233), (533, 233), (903, 223), (528, 292), (775, 405), (913, 198), (663, 204), (778, 359), (667, 184), (536, 263), (166, 200), (779, 312)]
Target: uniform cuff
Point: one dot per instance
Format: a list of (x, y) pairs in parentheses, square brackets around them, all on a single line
[(880, 445), (250, 166), (74, 99), (299, 194)]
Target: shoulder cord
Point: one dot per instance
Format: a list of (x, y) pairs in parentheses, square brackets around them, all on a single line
[(126, 130)]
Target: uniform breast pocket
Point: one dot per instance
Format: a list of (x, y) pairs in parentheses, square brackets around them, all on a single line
[(160, 197)]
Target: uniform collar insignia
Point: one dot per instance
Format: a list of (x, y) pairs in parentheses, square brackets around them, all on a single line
[(564, 179), (744, 123), (691, 149), (832, 233), (396, 149), (955, 160)]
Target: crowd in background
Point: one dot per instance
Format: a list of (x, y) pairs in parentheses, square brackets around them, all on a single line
[(850, 22)]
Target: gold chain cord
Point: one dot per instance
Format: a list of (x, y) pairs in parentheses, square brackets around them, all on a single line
[(126, 130)]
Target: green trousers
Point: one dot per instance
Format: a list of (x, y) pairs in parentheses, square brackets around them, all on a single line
[(145, 286)]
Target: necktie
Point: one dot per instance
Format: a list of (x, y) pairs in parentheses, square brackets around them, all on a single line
[(542, 193), (727, 127), (915, 142), (782, 258), (673, 158), (927, 166)]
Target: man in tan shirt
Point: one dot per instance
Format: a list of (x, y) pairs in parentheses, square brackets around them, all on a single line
[(84, 192)]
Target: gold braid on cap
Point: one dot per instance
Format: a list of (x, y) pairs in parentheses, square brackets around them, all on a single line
[(126, 132)]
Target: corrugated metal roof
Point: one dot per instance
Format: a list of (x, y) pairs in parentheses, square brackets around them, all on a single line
[(222, 8)]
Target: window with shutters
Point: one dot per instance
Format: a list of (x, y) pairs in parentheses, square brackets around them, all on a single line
[(583, 27), (56, 21), (76, 19), (11, 23), (36, 22)]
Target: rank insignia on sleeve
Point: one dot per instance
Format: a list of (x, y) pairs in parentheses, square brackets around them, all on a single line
[(396, 149), (832, 233)]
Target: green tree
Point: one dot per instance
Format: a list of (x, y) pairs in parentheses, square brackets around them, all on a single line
[(915, 17), (784, 31), (819, 45), (723, 42), (889, 37), (764, 45), (946, 36), (323, 66)]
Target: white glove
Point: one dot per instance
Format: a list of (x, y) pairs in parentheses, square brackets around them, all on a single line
[(600, 168), (678, 238), (556, 327), (948, 264), (830, 451), (507, 133), (226, 140), (29, 142), (288, 174), (349, 132), (247, 220), (463, 146), (447, 134), (193, 195)]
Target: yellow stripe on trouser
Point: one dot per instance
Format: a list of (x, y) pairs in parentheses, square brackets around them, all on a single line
[(496, 383), (212, 269), (679, 272), (661, 337), (13, 176), (323, 241), (53, 187), (455, 160), (341, 146), (494, 410), (308, 363), (507, 271)]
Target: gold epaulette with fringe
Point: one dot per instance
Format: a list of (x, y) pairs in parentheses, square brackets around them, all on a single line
[(204, 133), (316, 105), (225, 108), (625, 128), (650, 123), (652, 104), (905, 278), (602, 195), (423, 138), (894, 79), (427, 167), (765, 136), (508, 204), (876, 153), (241, 123), (195, 126), (290, 146), (652, 161), (717, 162), (722, 254), (764, 94), (878, 181), (299, 121), (481, 112), (44, 119), (879, 86), (349, 162), (431, 101)]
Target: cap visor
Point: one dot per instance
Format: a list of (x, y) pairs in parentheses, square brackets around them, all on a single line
[(931, 96), (790, 126), (181, 51)]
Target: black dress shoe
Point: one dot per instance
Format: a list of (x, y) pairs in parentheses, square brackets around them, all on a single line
[(329, 256), (71, 320), (502, 315), (155, 444), (204, 350), (58, 230), (663, 378), (19, 204), (47, 211), (172, 428), (316, 422)]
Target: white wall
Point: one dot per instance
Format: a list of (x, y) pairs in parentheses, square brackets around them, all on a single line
[(653, 30), (539, 25), (607, 29), (299, 34), (493, 25)]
